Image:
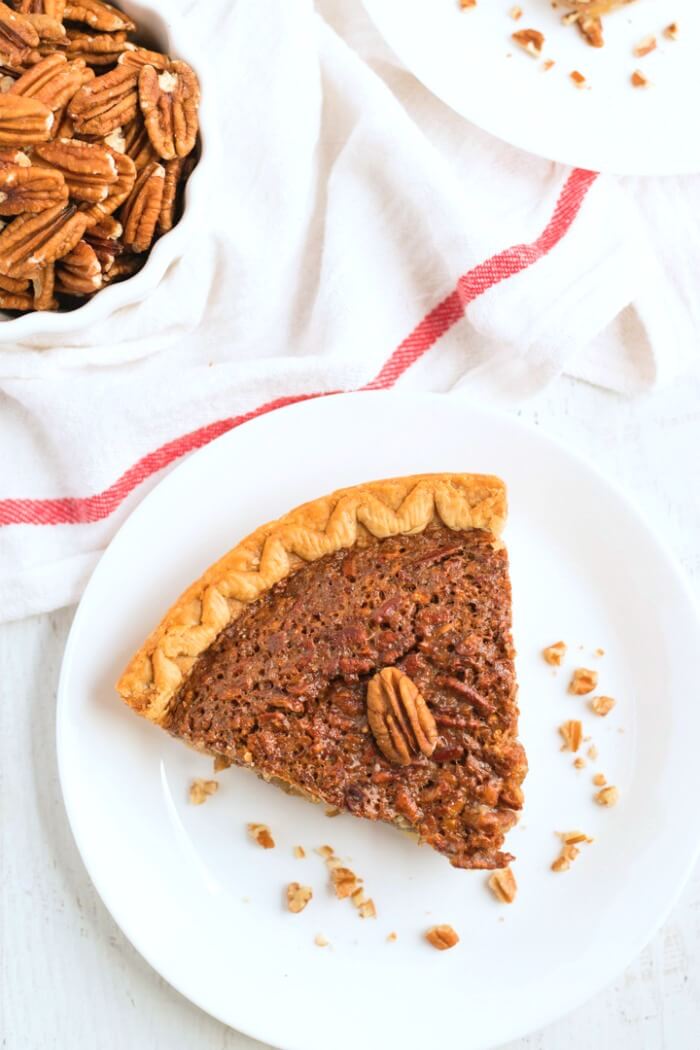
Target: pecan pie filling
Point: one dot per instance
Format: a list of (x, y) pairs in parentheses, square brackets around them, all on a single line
[(379, 679)]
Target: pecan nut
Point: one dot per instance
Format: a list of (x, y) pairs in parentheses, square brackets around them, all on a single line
[(49, 30), (30, 189), (17, 36), (88, 168), (118, 191), (79, 272), (142, 210), (43, 284), (399, 717), (24, 120), (52, 81), (51, 8), (16, 300), (98, 15), (137, 144), (100, 49), (169, 102), (141, 56), (32, 241), (107, 102), (169, 204)]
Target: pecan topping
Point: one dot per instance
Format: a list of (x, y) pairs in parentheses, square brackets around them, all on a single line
[(79, 272), (107, 102), (52, 81), (17, 36), (24, 120), (141, 211), (30, 189), (399, 717), (33, 241), (169, 102), (98, 15), (88, 168), (442, 937)]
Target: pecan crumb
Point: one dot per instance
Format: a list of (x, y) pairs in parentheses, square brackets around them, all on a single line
[(464, 4), (574, 838), (516, 13), (599, 780), (261, 834), (548, 64), (503, 885), (607, 796), (200, 790), (599, 652), (560, 864), (554, 654), (221, 762), (299, 852), (645, 46), (583, 681), (572, 733), (580, 763), (602, 705), (671, 31), (298, 896), (442, 937), (530, 40), (592, 752), (638, 79), (578, 78), (321, 941), (326, 852), (332, 812), (393, 936)]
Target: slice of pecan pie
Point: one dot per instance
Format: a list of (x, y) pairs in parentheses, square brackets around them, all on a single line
[(358, 651)]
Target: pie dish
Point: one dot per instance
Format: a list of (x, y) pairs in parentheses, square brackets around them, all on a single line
[(358, 651)]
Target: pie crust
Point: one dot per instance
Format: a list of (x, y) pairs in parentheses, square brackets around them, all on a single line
[(346, 518)]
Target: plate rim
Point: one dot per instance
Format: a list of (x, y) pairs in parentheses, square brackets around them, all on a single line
[(266, 1031)]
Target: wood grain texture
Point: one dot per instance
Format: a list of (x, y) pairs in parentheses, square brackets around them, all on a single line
[(69, 977)]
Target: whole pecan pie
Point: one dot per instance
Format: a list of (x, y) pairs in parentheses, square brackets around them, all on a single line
[(358, 651)]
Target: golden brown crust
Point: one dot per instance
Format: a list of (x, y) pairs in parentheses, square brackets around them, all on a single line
[(392, 507)]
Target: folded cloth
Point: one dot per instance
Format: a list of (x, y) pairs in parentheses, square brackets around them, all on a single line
[(361, 234)]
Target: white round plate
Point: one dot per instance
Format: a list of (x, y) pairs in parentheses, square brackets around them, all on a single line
[(467, 58), (204, 904)]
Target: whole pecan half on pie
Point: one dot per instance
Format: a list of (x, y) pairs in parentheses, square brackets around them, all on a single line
[(359, 651)]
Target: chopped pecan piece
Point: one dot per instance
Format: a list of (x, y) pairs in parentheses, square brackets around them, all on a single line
[(583, 681), (200, 790), (554, 654), (442, 937), (169, 102), (79, 272), (572, 733), (503, 885), (530, 40), (23, 120), (645, 46), (107, 102), (399, 717), (98, 15), (32, 241), (261, 834), (602, 705), (52, 81), (88, 168), (30, 189), (607, 796), (141, 211), (298, 896)]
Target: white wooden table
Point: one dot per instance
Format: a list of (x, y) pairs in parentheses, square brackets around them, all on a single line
[(71, 980)]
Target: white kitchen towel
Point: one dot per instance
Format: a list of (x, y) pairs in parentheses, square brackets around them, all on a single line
[(360, 235)]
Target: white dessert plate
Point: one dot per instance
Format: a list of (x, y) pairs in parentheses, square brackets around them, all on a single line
[(467, 58), (204, 904)]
